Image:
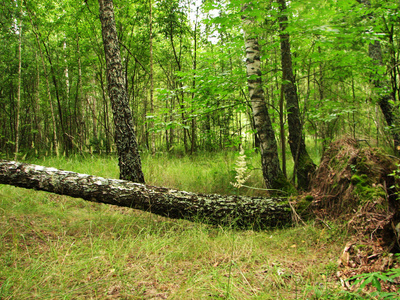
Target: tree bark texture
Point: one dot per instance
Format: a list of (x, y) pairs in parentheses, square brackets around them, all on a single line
[(304, 165), (272, 173), (213, 209), (125, 138)]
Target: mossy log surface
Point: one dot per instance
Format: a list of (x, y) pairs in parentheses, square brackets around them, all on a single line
[(215, 209)]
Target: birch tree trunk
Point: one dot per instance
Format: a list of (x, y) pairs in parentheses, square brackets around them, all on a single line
[(303, 163), (151, 125), (78, 102), (19, 89), (214, 209), (272, 173), (125, 139), (193, 125)]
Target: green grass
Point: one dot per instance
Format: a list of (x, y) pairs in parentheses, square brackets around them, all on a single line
[(201, 173), (56, 247)]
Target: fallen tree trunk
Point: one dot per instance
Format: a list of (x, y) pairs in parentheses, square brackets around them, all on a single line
[(215, 209)]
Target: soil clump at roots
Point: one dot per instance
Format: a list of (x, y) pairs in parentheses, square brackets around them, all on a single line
[(359, 184)]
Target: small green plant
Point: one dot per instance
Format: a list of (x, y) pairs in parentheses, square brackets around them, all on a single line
[(375, 279), (396, 175), (353, 168)]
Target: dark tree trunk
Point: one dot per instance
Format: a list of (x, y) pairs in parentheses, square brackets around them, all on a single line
[(125, 139), (304, 165), (59, 105), (53, 119), (375, 52), (387, 111), (272, 173), (213, 209)]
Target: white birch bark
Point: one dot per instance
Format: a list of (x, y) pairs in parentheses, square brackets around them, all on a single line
[(240, 211), (273, 175), (19, 90)]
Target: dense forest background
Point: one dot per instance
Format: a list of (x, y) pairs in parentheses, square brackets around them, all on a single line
[(297, 83), (185, 74)]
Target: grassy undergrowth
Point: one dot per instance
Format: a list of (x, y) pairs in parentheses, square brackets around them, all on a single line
[(56, 247), (201, 173)]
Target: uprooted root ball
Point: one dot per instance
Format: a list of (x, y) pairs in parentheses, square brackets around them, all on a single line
[(357, 184)]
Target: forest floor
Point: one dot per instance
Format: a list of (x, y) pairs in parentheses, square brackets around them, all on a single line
[(56, 247)]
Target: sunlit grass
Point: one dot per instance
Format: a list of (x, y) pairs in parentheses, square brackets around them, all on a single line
[(203, 172), (56, 247)]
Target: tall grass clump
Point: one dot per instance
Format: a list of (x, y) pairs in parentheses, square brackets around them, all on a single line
[(98, 165)]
